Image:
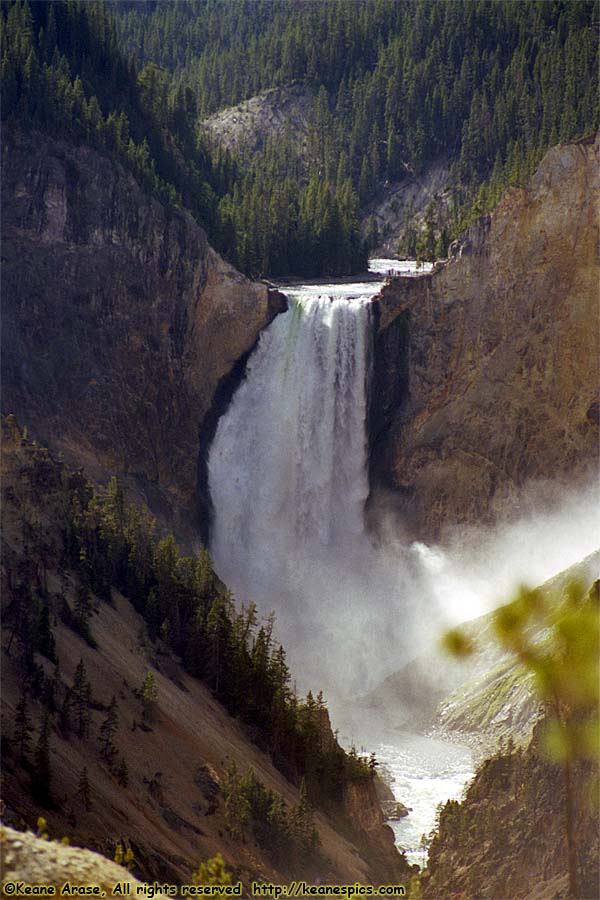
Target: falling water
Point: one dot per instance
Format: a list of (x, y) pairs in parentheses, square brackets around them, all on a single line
[(288, 479), (287, 468)]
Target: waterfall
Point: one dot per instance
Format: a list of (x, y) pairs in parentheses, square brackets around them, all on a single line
[(288, 463), (288, 477)]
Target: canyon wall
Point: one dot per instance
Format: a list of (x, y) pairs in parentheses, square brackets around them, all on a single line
[(486, 370), (123, 331)]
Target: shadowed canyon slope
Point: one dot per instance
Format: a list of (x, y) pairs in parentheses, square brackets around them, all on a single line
[(172, 802), (120, 323), (484, 372)]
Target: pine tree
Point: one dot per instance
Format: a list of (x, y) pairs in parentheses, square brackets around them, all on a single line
[(81, 700), (237, 807), (45, 638), (108, 751), (302, 824), (83, 790), (22, 731), (83, 609), (122, 773), (149, 695), (41, 776)]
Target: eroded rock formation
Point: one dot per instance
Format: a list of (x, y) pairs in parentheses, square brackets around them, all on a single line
[(123, 331), (485, 371)]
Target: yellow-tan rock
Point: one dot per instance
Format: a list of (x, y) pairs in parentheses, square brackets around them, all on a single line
[(485, 370)]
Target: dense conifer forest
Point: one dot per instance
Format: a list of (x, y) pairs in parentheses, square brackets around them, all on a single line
[(487, 85)]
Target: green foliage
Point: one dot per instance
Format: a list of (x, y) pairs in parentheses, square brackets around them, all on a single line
[(149, 696), (42, 829), (555, 636), (396, 85), (124, 856), (113, 547), (213, 871), (250, 807), (80, 700), (273, 224), (63, 72), (83, 612)]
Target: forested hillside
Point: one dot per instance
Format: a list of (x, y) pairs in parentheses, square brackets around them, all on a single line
[(489, 85), (105, 545), (103, 623), (396, 85), (63, 71)]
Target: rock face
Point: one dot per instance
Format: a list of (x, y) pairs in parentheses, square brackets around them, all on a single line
[(485, 371), (123, 331), (276, 113), (508, 838), (403, 205)]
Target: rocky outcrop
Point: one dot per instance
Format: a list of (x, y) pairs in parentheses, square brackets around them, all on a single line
[(373, 837), (485, 371), (34, 861), (402, 206), (124, 333), (277, 113), (394, 809)]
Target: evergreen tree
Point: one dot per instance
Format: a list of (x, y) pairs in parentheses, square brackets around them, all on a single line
[(149, 696), (108, 751), (83, 610), (41, 775), (81, 700), (22, 731), (45, 639), (122, 773), (83, 790)]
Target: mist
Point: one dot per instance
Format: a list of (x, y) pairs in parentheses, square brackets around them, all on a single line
[(479, 568)]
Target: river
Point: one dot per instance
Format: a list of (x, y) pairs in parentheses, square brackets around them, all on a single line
[(426, 771)]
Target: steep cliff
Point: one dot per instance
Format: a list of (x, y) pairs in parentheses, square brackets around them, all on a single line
[(485, 371), (124, 333)]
